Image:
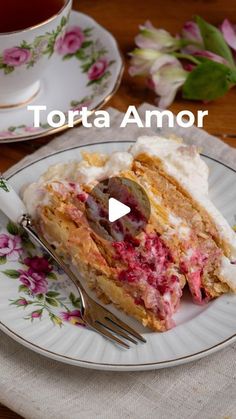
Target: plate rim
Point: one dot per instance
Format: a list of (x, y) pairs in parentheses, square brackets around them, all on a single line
[(101, 365), (52, 131)]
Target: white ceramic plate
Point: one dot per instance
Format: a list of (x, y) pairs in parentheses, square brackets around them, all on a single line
[(200, 330), (88, 77)]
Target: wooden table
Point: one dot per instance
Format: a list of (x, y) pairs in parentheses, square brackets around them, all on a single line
[(122, 19)]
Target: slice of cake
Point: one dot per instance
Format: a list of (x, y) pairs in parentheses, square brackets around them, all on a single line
[(184, 242)]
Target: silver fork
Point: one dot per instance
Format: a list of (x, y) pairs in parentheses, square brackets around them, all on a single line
[(93, 314)]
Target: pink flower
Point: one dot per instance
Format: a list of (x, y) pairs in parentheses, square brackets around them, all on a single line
[(189, 66), (157, 39), (142, 60), (229, 32), (70, 42), (73, 317), (167, 76), (192, 32), (10, 246), (36, 314), (211, 56), (22, 302), (6, 134), (38, 264), (35, 281), (97, 70), (16, 56)]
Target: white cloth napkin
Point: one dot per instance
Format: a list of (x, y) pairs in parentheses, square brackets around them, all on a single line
[(39, 388)]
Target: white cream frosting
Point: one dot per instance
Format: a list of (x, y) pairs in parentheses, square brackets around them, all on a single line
[(228, 273), (182, 160), (116, 163), (60, 171), (34, 195)]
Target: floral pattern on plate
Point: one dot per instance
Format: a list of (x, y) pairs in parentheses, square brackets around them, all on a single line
[(40, 281)]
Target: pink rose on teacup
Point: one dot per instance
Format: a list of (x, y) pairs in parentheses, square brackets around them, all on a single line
[(7, 134), (97, 70), (16, 56), (71, 41)]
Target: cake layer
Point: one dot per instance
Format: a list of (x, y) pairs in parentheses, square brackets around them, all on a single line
[(193, 235), (143, 267)]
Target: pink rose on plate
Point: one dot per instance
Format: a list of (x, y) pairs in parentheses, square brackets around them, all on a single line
[(10, 247), (36, 314), (70, 42), (97, 70), (38, 264), (35, 281), (16, 56), (22, 302)]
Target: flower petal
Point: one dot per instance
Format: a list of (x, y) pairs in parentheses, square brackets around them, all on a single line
[(211, 56), (229, 33), (13, 256), (165, 101), (191, 31), (142, 60), (163, 60), (167, 81), (158, 39)]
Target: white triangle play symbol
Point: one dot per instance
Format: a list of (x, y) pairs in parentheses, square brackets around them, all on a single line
[(116, 209)]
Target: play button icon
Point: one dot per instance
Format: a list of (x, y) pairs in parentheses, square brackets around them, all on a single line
[(116, 210)]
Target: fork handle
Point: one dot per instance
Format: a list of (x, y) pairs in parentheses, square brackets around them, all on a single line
[(10, 203)]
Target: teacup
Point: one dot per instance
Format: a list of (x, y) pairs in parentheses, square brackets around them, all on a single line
[(25, 54)]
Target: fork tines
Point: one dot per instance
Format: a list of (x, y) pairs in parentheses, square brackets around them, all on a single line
[(114, 329)]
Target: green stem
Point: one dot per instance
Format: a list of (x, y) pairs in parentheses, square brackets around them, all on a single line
[(186, 42), (186, 57), (63, 305)]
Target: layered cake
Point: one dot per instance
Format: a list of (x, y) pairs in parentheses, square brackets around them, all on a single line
[(185, 242)]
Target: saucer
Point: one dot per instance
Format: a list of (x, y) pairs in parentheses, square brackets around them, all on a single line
[(85, 70)]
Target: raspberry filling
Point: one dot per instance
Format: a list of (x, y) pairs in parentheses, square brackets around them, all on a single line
[(193, 267), (148, 272), (149, 269), (197, 261)]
